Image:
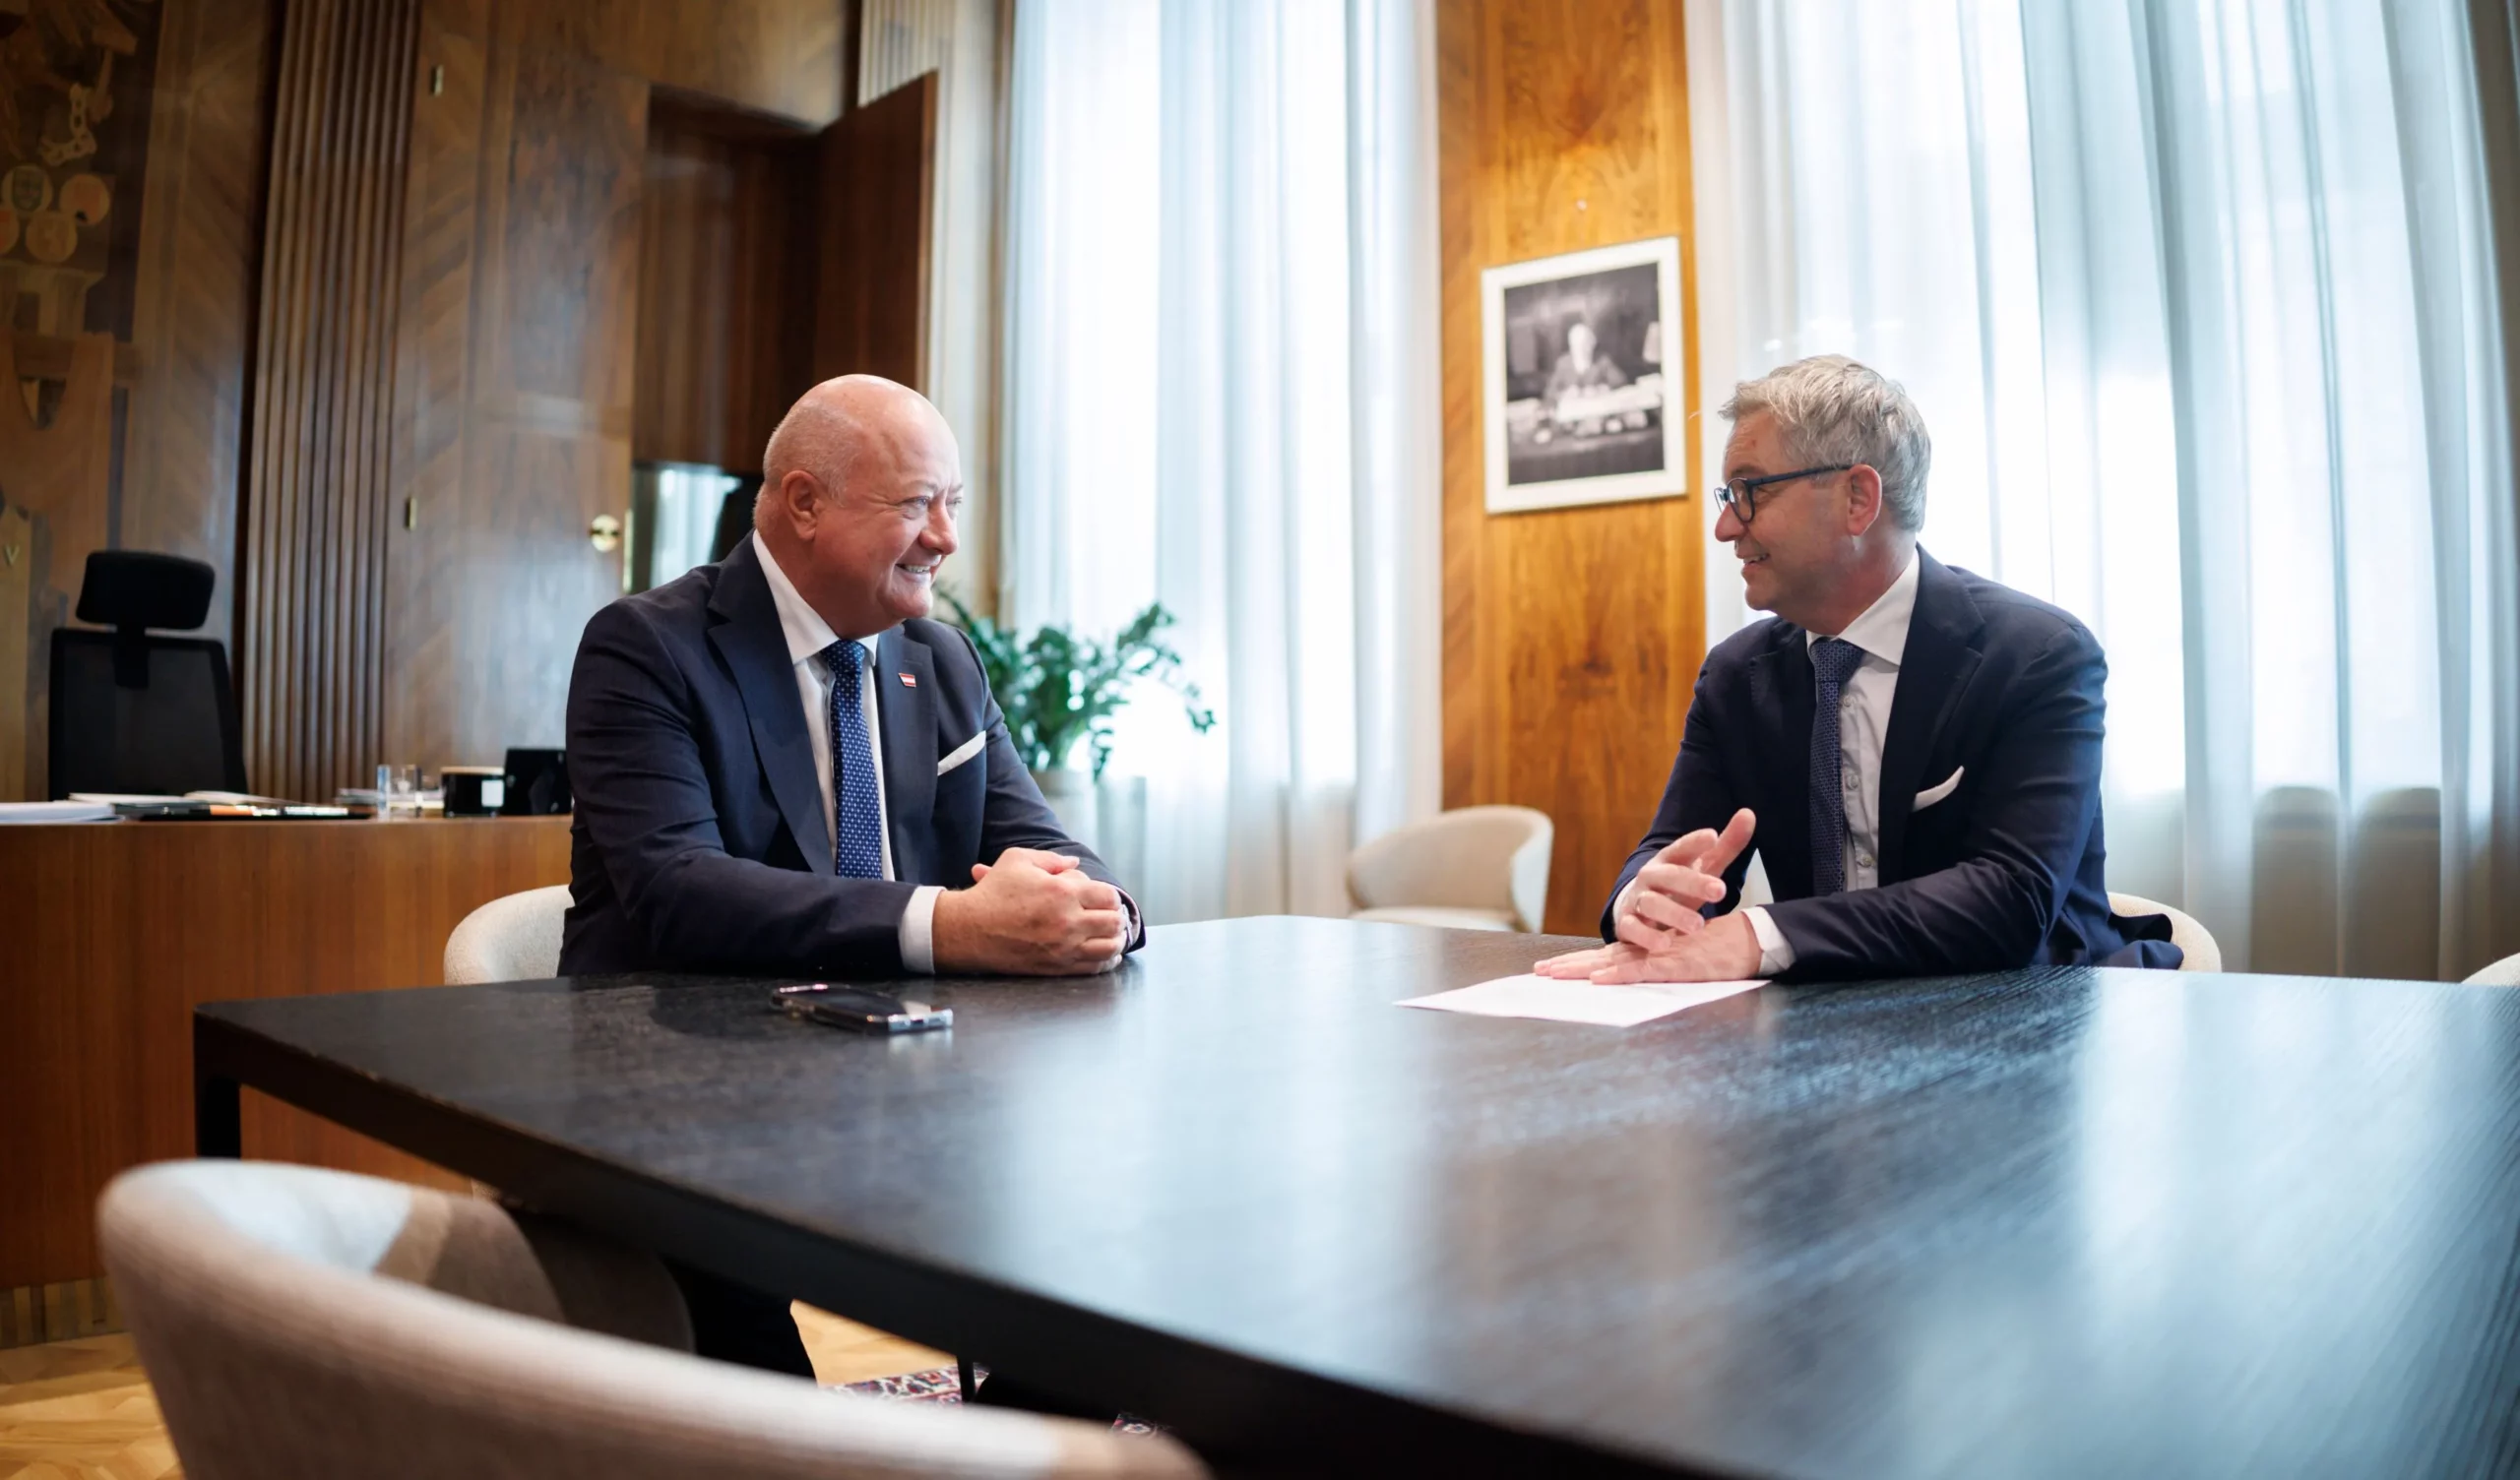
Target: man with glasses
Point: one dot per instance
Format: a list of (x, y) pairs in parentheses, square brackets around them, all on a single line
[(1915, 750)]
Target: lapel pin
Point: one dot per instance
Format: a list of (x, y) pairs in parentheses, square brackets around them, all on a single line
[(909, 682)]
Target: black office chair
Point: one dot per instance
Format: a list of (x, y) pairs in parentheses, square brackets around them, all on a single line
[(136, 712)]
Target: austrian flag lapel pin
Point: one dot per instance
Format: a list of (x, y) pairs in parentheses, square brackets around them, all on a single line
[(909, 681)]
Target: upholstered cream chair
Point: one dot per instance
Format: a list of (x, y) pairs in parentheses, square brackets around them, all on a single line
[(1475, 868), (2503, 973), (299, 1323), (513, 938), (2186, 932)]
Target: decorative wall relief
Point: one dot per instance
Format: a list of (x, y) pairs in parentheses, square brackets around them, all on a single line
[(74, 103)]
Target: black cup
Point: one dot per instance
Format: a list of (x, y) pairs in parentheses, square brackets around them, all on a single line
[(537, 783), (474, 790)]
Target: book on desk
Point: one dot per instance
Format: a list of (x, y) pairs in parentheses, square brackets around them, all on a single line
[(191, 805)]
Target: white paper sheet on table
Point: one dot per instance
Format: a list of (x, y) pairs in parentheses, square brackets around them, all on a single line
[(1530, 996)]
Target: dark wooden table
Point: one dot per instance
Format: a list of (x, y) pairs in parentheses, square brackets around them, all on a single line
[(2059, 1222)]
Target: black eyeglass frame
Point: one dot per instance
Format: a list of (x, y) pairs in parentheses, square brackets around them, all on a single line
[(1742, 494)]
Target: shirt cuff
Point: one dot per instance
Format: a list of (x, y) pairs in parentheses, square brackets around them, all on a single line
[(1129, 928), (1776, 952), (918, 931)]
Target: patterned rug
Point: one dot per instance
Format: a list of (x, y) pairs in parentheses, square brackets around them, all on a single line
[(939, 1385)]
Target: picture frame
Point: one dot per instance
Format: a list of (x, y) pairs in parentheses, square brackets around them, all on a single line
[(1584, 383)]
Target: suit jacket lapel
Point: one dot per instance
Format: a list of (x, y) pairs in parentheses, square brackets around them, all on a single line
[(907, 713), (1941, 659), (1781, 690), (755, 650)]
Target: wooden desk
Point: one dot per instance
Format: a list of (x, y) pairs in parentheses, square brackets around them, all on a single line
[(2061, 1221), (114, 931)]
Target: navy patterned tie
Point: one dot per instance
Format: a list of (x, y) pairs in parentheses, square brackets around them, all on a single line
[(857, 818), (1831, 661)]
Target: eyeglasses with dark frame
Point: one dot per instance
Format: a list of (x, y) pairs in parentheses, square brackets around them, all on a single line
[(1742, 495)]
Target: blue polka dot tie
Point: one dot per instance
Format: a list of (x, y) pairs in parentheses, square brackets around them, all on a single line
[(857, 821), (1832, 661)]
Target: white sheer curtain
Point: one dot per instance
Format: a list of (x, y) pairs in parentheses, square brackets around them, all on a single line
[(1223, 396), (2195, 298)]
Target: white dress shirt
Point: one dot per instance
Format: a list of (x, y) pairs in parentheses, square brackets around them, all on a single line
[(1864, 723), (808, 636)]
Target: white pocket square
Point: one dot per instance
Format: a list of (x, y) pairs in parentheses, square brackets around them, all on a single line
[(1933, 794), (963, 752)]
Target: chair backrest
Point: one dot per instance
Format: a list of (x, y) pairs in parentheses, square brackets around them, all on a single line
[(135, 712), (513, 938), (2186, 932), (1471, 858), (305, 1323), (2503, 973), (174, 732)]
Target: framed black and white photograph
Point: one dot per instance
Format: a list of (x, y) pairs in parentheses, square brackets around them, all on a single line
[(1583, 378)]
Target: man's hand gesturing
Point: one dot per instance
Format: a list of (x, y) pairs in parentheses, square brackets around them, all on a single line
[(1031, 914), (1687, 875), (1661, 936)]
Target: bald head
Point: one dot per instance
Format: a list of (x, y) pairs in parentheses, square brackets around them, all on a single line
[(861, 485), (829, 428)]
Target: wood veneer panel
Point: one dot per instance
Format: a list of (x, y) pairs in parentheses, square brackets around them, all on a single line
[(126, 927), (1572, 638), (782, 57), (521, 278), (311, 649), (195, 279), (878, 190)]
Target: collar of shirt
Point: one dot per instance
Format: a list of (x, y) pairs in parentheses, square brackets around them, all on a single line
[(1882, 629), (806, 632)]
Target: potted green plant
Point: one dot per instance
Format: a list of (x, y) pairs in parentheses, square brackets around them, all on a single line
[(1059, 692)]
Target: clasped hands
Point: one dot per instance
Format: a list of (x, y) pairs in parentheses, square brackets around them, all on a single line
[(1662, 935), (1033, 914)]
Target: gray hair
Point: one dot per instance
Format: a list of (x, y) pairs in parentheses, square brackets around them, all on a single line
[(1832, 409)]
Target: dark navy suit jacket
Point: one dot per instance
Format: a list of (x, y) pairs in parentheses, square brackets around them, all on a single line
[(2007, 871), (701, 841)]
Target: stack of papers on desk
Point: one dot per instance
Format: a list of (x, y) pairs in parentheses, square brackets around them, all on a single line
[(56, 812), (194, 804), (1557, 1001)]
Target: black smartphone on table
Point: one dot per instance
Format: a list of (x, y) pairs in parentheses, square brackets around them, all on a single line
[(859, 1010)]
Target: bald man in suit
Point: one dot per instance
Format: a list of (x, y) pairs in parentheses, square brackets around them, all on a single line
[(784, 767)]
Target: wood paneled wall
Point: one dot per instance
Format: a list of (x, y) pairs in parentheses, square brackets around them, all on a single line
[(520, 296), (726, 287), (1572, 638), (173, 305), (528, 440), (782, 57), (312, 643)]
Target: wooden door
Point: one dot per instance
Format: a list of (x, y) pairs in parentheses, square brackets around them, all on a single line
[(878, 214)]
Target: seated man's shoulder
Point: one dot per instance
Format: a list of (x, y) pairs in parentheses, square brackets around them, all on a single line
[(2016, 617), (1747, 646), (946, 639), (681, 603)]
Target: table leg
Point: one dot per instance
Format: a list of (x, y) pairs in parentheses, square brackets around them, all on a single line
[(219, 1119)]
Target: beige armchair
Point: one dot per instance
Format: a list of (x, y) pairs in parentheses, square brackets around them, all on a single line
[(513, 938), (1475, 868), (2186, 932), (2503, 973), (300, 1323)]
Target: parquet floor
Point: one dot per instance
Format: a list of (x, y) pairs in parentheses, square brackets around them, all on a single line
[(82, 1409)]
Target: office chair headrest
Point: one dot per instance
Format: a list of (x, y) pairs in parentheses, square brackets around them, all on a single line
[(134, 589)]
